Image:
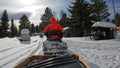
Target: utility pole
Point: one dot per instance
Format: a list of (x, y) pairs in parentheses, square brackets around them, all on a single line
[(113, 6), (114, 15)]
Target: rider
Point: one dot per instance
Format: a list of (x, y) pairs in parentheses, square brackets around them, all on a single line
[(54, 31)]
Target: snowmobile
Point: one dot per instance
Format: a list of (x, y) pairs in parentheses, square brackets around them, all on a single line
[(56, 55), (54, 47)]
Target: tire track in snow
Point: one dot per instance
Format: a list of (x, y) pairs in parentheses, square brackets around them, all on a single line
[(35, 50), (1, 65), (28, 51), (38, 50), (6, 56), (25, 52), (6, 49)]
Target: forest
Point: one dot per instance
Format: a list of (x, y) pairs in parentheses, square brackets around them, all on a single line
[(82, 15)]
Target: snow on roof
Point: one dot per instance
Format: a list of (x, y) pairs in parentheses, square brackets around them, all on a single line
[(104, 24)]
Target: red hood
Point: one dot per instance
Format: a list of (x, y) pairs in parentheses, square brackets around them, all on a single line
[(53, 21)]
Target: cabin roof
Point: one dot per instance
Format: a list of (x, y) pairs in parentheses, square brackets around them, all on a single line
[(104, 24)]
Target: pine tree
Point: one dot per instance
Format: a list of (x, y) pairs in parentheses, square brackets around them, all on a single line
[(64, 21), (37, 29), (4, 23), (100, 10), (40, 27), (80, 16), (24, 23), (45, 18), (0, 30), (32, 30), (117, 19), (13, 29)]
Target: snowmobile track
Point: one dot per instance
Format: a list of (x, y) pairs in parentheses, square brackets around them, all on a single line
[(6, 56), (37, 48), (6, 49), (13, 59), (28, 51)]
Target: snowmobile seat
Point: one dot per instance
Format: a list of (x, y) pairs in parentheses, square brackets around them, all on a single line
[(54, 39), (54, 32)]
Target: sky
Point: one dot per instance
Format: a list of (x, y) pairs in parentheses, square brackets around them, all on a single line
[(35, 8)]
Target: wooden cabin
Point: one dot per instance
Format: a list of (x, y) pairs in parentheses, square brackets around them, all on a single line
[(103, 30)]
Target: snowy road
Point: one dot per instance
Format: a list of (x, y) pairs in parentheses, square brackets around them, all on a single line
[(10, 56), (99, 54)]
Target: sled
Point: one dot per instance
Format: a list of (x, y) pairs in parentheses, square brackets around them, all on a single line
[(53, 61)]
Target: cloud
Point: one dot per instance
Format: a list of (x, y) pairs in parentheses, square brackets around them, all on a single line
[(32, 8), (10, 4), (55, 5), (35, 8), (16, 16)]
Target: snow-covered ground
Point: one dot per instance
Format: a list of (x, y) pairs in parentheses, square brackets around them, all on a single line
[(98, 54)]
